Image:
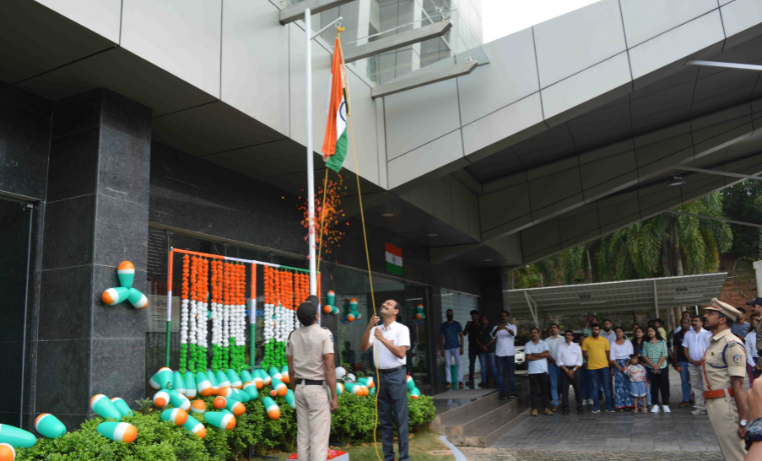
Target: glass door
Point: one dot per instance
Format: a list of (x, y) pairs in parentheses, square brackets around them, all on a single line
[(419, 356), (15, 219)]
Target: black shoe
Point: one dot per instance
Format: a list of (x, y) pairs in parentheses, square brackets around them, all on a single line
[(579, 412), (514, 397), (503, 397), (565, 412)]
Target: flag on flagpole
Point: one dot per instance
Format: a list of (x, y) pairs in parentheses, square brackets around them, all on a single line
[(393, 259), (335, 143)]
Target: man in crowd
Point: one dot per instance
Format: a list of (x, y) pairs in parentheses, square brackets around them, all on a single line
[(596, 351), (695, 343), (537, 354), (472, 330), (685, 315), (554, 372), (681, 363), (391, 340), (752, 355), (724, 371), (569, 360), (487, 346), (607, 332), (756, 308), (741, 327), (451, 342), (505, 352)]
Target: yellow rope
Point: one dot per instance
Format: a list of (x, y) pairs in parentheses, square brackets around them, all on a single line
[(365, 239), (322, 220)]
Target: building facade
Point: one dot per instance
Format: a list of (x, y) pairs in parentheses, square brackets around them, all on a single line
[(131, 126)]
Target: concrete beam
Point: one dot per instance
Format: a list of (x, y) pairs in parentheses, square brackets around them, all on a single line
[(396, 41), (295, 12), (423, 77), (443, 254)]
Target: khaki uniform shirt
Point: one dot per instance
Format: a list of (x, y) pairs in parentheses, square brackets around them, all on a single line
[(725, 357), (759, 334), (307, 345)]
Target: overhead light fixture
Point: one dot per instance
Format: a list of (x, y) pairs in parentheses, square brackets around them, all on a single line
[(433, 235), (387, 215), (677, 180)]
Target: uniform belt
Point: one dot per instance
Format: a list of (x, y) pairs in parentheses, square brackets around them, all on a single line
[(718, 393), (386, 371), (309, 382)]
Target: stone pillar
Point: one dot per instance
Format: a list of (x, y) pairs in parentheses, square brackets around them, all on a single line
[(494, 300), (96, 216)]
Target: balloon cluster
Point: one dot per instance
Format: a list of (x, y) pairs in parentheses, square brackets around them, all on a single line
[(350, 311), (113, 296), (330, 305)]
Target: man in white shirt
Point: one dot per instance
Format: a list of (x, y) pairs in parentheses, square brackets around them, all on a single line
[(695, 343), (505, 352), (537, 356), (393, 342), (569, 360), (752, 355), (554, 373)]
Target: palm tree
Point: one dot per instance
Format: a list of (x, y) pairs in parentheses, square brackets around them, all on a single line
[(665, 245)]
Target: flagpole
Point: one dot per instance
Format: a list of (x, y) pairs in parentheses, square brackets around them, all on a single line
[(310, 159)]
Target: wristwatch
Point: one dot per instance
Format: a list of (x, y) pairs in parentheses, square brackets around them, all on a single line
[(753, 432)]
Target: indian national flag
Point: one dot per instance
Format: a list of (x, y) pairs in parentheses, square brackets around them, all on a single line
[(335, 144), (393, 259)]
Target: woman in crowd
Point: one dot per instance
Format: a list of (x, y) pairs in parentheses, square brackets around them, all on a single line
[(655, 355), (621, 350)]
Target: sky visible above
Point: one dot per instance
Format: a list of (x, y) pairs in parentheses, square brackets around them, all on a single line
[(504, 17)]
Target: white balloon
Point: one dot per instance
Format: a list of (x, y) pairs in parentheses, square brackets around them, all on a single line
[(340, 372)]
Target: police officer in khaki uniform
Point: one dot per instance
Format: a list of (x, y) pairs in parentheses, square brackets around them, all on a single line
[(312, 375), (724, 367)]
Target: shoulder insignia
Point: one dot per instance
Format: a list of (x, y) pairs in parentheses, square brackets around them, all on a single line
[(737, 359), (331, 338)]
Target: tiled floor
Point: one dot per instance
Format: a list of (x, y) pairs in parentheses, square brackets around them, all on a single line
[(618, 432)]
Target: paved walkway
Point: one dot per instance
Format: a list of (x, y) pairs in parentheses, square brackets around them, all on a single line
[(677, 435), (526, 454)]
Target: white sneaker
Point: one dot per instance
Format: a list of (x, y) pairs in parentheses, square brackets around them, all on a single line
[(665, 409), (699, 411), (655, 409)]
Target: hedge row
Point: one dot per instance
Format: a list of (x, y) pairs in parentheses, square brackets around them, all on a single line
[(162, 441)]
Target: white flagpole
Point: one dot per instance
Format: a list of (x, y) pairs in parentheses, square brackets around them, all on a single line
[(310, 160)]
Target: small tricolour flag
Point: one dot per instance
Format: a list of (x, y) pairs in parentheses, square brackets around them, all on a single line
[(393, 259), (335, 143)]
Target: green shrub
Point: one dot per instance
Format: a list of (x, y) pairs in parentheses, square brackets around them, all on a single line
[(162, 441)]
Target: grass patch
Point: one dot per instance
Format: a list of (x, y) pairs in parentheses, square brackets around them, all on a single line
[(422, 445)]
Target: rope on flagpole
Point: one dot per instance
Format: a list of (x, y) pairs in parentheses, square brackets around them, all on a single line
[(322, 216), (365, 239)]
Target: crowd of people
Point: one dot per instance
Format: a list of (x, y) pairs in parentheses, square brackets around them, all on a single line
[(713, 354)]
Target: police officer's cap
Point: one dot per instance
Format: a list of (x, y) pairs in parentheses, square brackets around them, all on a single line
[(755, 301), (725, 308), (311, 301)]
